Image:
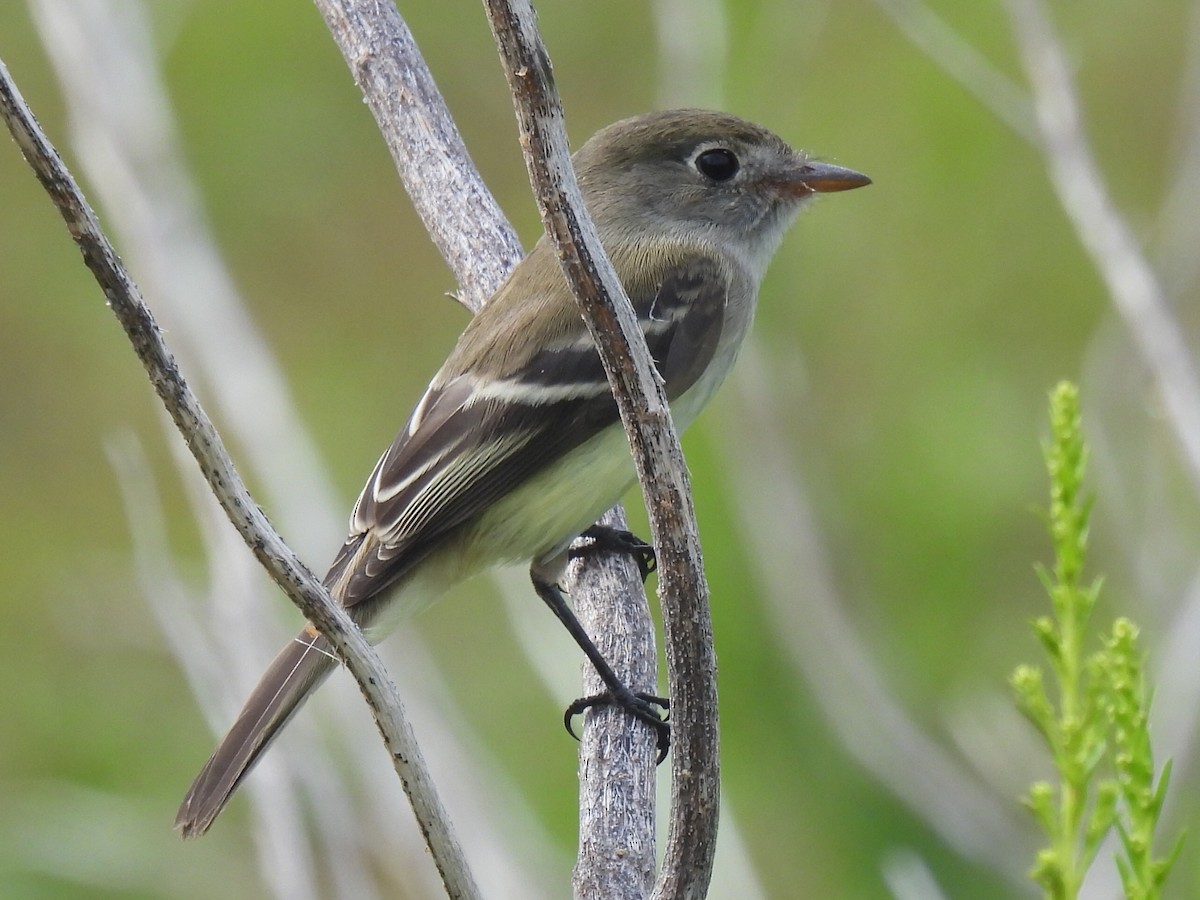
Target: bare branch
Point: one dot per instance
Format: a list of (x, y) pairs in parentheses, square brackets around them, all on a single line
[(285, 568), (126, 140), (687, 624), (1132, 283), (472, 233), (616, 765)]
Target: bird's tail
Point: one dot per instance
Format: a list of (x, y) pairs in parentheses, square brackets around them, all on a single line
[(291, 677)]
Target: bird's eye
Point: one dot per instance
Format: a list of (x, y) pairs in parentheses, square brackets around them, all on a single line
[(718, 164)]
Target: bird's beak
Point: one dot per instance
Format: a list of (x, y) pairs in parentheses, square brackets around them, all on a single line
[(824, 178)]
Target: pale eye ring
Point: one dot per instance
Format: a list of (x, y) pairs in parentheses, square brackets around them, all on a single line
[(718, 164)]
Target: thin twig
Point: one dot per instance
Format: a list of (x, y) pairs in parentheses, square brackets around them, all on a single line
[(687, 625), (285, 568), (127, 144)]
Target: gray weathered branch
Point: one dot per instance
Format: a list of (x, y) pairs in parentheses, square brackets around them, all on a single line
[(616, 775), (687, 625), (471, 232), (304, 589)]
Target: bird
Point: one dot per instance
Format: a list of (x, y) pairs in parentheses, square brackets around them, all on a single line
[(516, 446)]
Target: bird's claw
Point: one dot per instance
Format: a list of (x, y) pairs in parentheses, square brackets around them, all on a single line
[(640, 705), (604, 538)]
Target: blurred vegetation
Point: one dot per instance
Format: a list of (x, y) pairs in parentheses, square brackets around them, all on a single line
[(913, 330)]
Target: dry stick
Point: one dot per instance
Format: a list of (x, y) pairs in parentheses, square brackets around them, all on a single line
[(617, 796), (304, 589), (687, 625), (617, 762), (471, 232)]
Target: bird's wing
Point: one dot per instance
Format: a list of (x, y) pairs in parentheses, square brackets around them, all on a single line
[(470, 440)]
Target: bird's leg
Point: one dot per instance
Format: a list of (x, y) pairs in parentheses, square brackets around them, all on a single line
[(606, 539), (641, 706)]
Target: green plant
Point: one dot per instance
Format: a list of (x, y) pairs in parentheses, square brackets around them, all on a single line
[(1097, 731)]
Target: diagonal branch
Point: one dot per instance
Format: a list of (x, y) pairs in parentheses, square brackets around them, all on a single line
[(304, 589), (471, 233), (687, 625)]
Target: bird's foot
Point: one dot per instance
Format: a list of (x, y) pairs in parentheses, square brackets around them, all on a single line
[(606, 539), (643, 707)]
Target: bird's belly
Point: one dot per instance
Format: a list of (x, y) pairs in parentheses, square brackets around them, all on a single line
[(544, 514), (576, 491)]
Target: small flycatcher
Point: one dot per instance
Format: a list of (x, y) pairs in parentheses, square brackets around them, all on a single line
[(516, 446)]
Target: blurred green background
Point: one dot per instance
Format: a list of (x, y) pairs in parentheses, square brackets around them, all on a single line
[(911, 332)]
